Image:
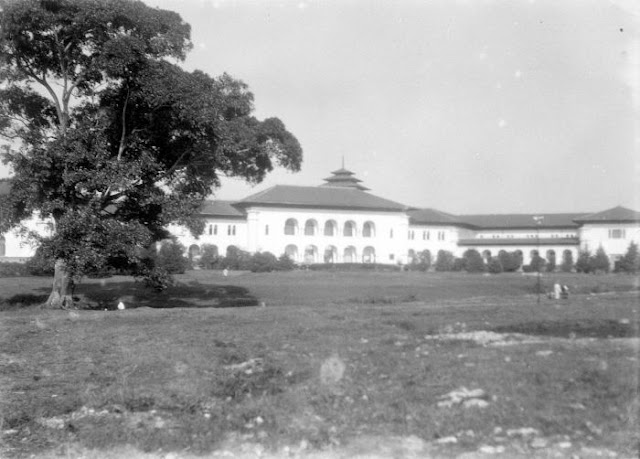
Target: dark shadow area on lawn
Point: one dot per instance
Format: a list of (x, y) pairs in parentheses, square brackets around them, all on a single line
[(136, 295), (578, 329)]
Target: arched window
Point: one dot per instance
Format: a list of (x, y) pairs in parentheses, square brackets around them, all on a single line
[(349, 254), (3, 246), (194, 251), (349, 229), (215, 230), (369, 255), (310, 254), (292, 252), (291, 227), (210, 230), (330, 228), (368, 230), (330, 254), (310, 227)]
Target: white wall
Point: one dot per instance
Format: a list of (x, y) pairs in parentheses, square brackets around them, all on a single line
[(266, 233), (594, 235)]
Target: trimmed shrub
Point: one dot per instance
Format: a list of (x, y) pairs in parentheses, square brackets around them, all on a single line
[(458, 264), (236, 259), (170, 258), (209, 258), (494, 266), (510, 261), (262, 262), (444, 261), (536, 264), (473, 261)]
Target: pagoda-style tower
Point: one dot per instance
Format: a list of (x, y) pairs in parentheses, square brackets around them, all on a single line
[(344, 178)]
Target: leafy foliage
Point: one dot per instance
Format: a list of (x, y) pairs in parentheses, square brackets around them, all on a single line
[(510, 261), (494, 266), (171, 259), (630, 262), (599, 262), (582, 263), (537, 263), (473, 261), (444, 261), (210, 257), (110, 137), (567, 261)]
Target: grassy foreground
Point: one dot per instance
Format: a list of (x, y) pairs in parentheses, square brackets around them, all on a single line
[(338, 364)]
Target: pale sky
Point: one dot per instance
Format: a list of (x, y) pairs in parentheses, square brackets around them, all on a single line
[(463, 106)]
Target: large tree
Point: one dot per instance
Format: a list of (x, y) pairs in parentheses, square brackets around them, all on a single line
[(110, 137)]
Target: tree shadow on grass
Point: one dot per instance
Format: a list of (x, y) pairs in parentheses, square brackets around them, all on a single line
[(135, 295)]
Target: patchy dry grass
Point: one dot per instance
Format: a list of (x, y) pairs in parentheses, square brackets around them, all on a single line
[(333, 363)]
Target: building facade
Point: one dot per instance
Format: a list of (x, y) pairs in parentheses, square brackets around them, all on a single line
[(340, 222)]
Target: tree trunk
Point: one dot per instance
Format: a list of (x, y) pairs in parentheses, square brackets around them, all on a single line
[(60, 297)]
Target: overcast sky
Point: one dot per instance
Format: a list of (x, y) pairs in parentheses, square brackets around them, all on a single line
[(463, 106)]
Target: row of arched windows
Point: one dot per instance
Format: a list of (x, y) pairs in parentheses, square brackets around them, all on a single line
[(330, 228), (310, 254)]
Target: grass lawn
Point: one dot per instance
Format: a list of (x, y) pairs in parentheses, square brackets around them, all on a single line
[(334, 365)]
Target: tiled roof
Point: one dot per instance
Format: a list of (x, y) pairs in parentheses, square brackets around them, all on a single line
[(221, 209), (519, 241), (521, 221), (432, 217), (617, 214), (321, 197)]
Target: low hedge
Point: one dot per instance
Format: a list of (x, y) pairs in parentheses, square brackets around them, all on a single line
[(352, 267)]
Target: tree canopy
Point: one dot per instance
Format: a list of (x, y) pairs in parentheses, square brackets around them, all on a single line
[(109, 136)]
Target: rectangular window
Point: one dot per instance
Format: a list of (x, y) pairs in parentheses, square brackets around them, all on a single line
[(215, 230), (617, 234), (266, 230), (391, 257), (391, 233)]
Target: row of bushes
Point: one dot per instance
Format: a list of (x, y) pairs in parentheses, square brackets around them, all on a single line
[(170, 256)]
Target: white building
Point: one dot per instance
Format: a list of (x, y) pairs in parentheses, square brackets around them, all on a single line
[(340, 222)]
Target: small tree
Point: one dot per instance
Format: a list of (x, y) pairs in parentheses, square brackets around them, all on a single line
[(567, 261), (630, 262), (209, 258), (285, 263), (170, 257), (236, 259), (537, 263), (494, 266), (582, 263), (473, 261), (444, 261), (424, 260), (551, 261), (509, 261), (261, 262), (599, 263)]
